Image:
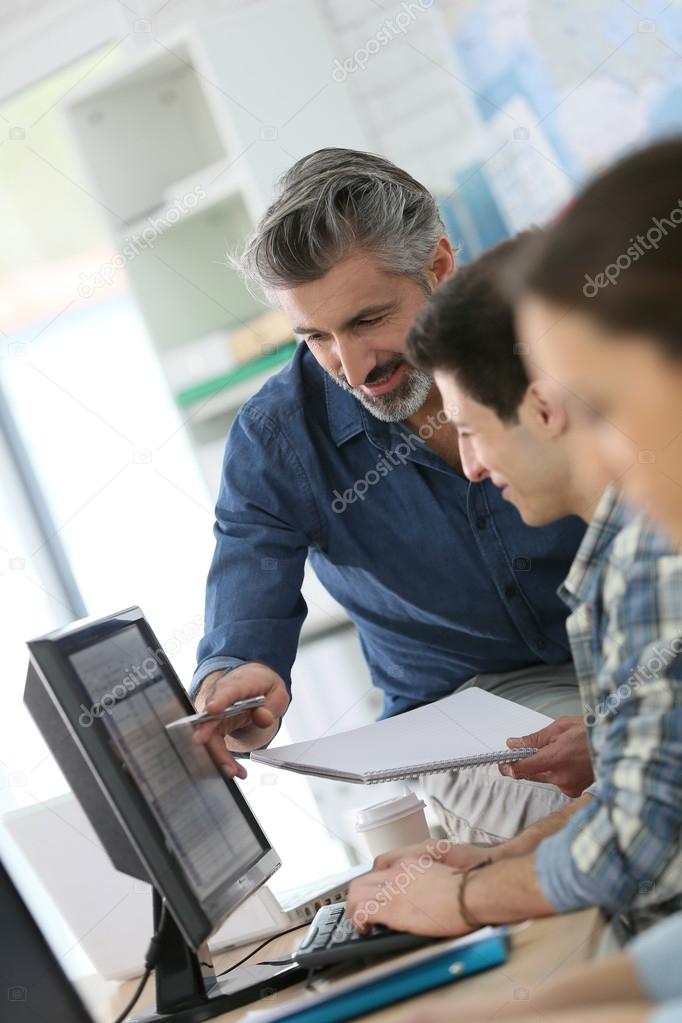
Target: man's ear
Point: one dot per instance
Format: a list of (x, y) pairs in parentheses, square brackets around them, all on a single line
[(546, 407), (442, 263)]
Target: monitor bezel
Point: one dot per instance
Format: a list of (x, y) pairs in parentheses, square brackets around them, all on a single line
[(50, 655)]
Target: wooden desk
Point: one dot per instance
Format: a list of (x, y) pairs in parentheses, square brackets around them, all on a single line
[(541, 949)]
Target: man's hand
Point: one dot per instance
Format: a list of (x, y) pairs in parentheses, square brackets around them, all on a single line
[(418, 895), (563, 757), (250, 730), (459, 856), (422, 896)]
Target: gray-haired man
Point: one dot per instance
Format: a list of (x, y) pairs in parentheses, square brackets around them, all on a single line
[(347, 458)]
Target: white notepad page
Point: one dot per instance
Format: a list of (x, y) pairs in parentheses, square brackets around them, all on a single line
[(469, 727)]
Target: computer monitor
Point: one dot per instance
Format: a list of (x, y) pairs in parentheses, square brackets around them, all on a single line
[(33, 985), (102, 693)]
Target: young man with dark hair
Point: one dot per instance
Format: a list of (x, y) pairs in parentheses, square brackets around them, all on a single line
[(465, 338), (618, 845)]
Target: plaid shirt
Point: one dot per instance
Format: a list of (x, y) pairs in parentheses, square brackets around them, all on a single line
[(622, 851)]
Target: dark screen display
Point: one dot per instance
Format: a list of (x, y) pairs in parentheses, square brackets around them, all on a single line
[(132, 697)]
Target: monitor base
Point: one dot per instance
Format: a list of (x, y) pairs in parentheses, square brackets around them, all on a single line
[(246, 985), (187, 988)]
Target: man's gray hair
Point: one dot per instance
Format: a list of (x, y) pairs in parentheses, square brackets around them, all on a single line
[(335, 202)]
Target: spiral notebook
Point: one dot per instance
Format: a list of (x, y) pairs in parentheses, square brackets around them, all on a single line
[(469, 728)]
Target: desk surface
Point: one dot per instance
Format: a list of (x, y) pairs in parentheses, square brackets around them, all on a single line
[(540, 949)]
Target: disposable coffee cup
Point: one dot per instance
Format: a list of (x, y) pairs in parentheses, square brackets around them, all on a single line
[(393, 824)]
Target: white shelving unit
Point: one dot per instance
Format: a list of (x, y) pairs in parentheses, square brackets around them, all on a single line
[(183, 167), (159, 154)]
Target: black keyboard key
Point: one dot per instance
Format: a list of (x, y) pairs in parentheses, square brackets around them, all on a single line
[(332, 938)]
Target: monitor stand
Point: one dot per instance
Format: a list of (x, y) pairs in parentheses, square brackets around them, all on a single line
[(187, 989)]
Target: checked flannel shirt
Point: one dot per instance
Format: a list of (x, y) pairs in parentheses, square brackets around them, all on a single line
[(622, 851)]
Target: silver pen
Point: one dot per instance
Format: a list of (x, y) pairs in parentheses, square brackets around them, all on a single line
[(230, 712)]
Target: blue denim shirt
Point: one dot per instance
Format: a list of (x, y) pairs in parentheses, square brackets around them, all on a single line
[(441, 577)]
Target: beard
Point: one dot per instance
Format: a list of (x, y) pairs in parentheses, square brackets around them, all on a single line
[(400, 403)]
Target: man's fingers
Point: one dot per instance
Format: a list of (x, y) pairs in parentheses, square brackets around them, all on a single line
[(202, 733), (223, 759), (386, 860), (232, 689), (524, 741), (390, 859), (249, 680), (530, 767), (367, 914), (228, 692), (362, 906), (262, 717), (546, 735)]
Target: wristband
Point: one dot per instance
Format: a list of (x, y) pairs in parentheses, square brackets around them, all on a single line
[(463, 912)]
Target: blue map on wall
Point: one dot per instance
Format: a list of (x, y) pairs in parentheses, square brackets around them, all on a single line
[(561, 88)]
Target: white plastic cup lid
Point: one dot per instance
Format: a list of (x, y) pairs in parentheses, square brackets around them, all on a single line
[(387, 812)]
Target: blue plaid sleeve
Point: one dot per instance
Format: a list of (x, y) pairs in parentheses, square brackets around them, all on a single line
[(622, 850)]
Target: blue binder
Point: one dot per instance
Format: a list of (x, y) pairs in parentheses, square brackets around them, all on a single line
[(441, 967)]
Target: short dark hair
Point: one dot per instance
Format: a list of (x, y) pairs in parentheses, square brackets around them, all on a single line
[(604, 239), (467, 327)]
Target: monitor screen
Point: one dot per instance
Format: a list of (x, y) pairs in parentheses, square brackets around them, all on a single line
[(190, 826), (131, 695)]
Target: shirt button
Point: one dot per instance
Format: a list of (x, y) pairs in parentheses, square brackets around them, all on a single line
[(510, 591), (541, 643), (481, 522)]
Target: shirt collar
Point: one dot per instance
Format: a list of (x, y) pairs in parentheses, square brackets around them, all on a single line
[(347, 418), (608, 520), (344, 412)]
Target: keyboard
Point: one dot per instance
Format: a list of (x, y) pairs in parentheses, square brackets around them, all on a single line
[(331, 938)]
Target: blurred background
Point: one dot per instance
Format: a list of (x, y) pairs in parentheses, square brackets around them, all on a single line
[(140, 142)]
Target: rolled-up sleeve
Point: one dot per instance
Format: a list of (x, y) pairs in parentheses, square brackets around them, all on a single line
[(622, 850), (265, 522)]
